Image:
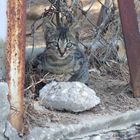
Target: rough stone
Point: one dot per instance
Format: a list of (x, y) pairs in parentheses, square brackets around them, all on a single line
[(2, 126), (2, 63), (39, 133), (4, 104), (4, 109), (2, 137), (70, 96), (100, 128), (6, 130), (11, 133)]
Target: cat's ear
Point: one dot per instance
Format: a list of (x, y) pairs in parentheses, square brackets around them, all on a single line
[(75, 29), (49, 28), (48, 25)]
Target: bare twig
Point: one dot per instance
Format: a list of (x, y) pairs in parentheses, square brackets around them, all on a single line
[(33, 84)]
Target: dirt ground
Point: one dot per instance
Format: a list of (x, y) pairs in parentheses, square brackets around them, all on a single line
[(111, 83)]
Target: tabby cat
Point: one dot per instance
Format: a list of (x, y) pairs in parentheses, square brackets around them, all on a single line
[(63, 54)]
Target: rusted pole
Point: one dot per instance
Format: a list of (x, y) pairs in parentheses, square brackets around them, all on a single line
[(132, 41), (15, 60)]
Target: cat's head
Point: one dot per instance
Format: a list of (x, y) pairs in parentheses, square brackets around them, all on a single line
[(61, 39)]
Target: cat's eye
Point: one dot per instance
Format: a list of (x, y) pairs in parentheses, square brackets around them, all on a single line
[(69, 45), (53, 44)]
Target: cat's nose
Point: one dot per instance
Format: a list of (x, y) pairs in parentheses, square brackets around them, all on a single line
[(62, 51)]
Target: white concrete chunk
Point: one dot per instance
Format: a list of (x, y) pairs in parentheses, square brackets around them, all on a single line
[(70, 96)]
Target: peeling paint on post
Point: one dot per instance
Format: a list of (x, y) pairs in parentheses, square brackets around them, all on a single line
[(15, 66), (132, 41)]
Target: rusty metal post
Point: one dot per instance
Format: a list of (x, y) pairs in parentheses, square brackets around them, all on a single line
[(132, 41), (15, 65)]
